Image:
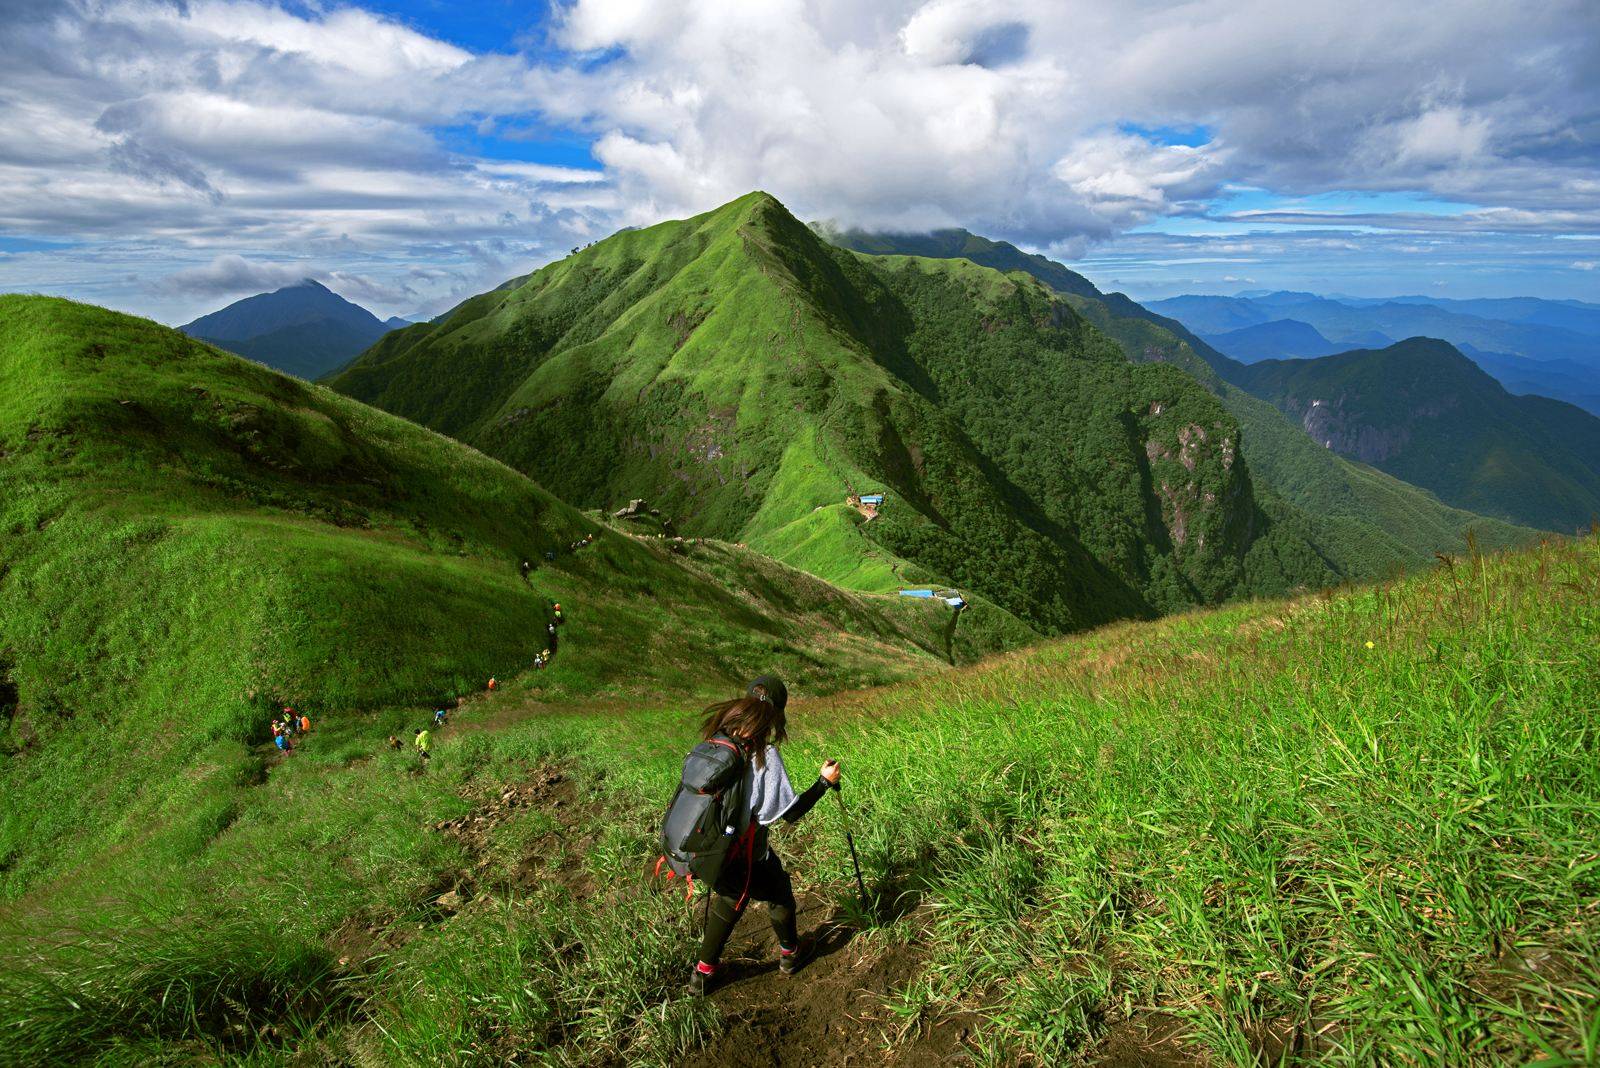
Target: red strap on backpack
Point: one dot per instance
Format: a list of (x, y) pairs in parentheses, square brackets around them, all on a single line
[(749, 862)]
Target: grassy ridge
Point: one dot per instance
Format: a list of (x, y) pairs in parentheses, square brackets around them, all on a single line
[(1244, 828), (192, 541), (1245, 831)]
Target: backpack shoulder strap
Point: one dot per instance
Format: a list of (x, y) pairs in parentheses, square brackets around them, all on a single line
[(744, 786), (728, 742)]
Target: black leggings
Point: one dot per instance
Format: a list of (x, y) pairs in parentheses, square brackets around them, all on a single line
[(767, 882)]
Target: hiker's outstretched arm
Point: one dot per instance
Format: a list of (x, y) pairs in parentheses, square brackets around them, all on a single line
[(805, 801)]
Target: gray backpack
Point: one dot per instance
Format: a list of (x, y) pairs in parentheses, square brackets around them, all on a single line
[(709, 814)]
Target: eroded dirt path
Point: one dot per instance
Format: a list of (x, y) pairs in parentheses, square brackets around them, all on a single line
[(835, 1011)]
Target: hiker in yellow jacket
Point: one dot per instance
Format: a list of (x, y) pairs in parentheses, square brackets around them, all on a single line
[(424, 743)]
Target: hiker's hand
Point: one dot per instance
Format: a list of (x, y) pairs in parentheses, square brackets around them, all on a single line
[(830, 772)]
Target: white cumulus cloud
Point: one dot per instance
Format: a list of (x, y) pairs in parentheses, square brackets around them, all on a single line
[(187, 131)]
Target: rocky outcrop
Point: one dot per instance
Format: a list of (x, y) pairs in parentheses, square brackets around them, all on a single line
[(638, 510), (1330, 426)]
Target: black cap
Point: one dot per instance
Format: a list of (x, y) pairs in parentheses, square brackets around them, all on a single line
[(774, 689)]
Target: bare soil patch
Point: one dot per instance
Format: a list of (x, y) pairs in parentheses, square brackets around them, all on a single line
[(834, 1011)]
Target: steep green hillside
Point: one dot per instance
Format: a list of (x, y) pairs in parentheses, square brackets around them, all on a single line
[(1350, 829), (1364, 522), (1425, 413), (747, 377), (191, 541)]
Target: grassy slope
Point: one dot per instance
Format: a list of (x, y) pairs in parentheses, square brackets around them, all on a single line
[(1425, 413), (1240, 830), (191, 541), (745, 377), (1365, 522)]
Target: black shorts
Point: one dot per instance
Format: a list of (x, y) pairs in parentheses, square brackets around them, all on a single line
[(765, 880)]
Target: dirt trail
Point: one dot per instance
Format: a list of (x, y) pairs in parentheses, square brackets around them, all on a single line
[(833, 1012)]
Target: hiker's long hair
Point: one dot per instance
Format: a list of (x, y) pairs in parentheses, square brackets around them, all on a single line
[(753, 717)]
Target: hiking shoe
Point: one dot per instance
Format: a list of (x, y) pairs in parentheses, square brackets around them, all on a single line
[(699, 982), (792, 960)]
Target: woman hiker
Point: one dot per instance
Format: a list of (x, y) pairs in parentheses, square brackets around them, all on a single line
[(756, 722)]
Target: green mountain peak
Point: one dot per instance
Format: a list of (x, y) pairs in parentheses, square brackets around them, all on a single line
[(751, 378)]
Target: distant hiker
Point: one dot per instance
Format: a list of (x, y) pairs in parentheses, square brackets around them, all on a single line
[(750, 728), (305, 723), (394, 743), (492, 683), (551, 629), (277, 729), (424, 743), (438, 717), (526, 567), (559, 620), (282, 742)]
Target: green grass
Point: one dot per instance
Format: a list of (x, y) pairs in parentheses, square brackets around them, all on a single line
[(1242, 823), (192, 541)]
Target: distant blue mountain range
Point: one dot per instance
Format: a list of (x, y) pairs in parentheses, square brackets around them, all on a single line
[(1531, 345)]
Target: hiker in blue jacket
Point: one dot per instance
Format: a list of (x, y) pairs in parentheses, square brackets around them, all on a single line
[(753, 871)]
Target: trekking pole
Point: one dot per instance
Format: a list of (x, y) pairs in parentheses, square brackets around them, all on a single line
[(849, 836)]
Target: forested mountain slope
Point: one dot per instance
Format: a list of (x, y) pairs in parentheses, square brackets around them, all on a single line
[(1422, 411), (1364, 522)]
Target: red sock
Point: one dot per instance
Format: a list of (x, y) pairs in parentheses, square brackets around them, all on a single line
[(705, 969)]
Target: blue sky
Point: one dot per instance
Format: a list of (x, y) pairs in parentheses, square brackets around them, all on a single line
[(166, 159)]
